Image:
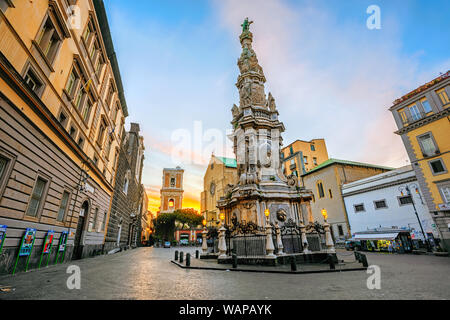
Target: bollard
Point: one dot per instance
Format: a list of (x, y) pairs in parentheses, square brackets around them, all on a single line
[(364, 260), (188, 259), (331, 262), (176, 255), (181, 257), (197, 254), (234, 261), (293, 264)]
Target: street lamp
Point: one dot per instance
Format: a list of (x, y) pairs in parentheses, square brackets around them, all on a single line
[(267, 213), (324, 214), (222, 217), (408, 193)]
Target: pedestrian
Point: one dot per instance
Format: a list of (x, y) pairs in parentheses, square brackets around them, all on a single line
[(390, 247)]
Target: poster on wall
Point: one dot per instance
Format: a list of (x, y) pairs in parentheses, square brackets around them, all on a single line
[(27, 242), (63, 241), (48, 241), (2, 235)]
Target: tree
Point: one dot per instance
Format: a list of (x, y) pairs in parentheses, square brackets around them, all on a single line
[(188, 216), (164, 226)]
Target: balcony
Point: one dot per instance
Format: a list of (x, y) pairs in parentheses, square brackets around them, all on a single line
[(292, 166), (409, 119)]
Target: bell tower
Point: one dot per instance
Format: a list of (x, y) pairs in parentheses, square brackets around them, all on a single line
[(172, 190)]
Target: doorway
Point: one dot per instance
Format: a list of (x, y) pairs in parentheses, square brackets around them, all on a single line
[(78, 247)]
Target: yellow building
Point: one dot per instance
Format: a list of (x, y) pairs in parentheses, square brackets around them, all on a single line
[(423, 122), (62, 111), (326, 180), (221, 173), (301, 156)]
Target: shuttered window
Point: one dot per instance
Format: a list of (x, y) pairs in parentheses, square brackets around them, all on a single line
[(63, 206), (36, 197)]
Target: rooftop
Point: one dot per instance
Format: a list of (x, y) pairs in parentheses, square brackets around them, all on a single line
[(330, 162), (422, 88)]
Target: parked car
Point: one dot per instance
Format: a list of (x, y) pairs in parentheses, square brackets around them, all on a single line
[(352, 245), (167, 244)]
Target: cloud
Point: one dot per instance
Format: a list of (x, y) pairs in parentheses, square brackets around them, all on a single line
[(331, 79)]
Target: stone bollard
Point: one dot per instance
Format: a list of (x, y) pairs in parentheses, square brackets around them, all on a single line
[(188, 259), (364, 260), (331, 262), (176, 255), (293, 264), (234, 261), (181, 257), (197, 254)]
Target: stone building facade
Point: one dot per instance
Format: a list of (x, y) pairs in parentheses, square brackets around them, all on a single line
[(422, 118), (220, 174), (301, 156), (326, 182), (61, 110), (124, 228)]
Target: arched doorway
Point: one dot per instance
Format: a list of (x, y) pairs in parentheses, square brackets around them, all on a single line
[(78, 247)]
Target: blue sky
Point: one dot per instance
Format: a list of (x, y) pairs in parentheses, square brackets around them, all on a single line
[(331, 76)]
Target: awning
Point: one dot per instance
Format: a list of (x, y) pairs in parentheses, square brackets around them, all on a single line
[(376, 236)]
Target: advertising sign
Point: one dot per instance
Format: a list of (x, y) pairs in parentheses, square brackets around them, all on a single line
[(2, 235), (48, 241), (63, 241), (27, 242)]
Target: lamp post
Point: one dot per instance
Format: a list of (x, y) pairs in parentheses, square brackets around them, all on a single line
[(204, 232), (222, 243), (269, 242), (328, 239), (408, 193)]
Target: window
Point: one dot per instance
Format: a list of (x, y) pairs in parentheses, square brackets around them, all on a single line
[(72, 132), (62, 119), (33, 81), (340, 230), (171, 203), (427, 145), (315, 161), (320, 190), (101, 132), (99, 65), (125, 184), (80, 142), (80, 99), (114, 113), (108, 147), (426, 105), (291, 150), (3, 164), (104, 221), (305, 159), (415, 113), (36, 197), (403, 116), (331, 194), (109, 97), (63, 206), (87, 32), (443, 96), (296, 173), (172, 182), (313, 148), (95, 219), (404, 200), (359, 207), (95, 160), (445, 194), (87, 111), (437, 166), (48, 40), (380, 204)]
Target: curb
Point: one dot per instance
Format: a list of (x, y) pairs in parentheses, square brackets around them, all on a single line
[(267, 271)]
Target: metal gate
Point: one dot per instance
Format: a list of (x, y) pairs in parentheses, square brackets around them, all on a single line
[(245, 239), (291, 237)]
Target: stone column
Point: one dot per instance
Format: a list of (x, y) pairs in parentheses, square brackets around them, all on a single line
[(269, 242), (304, 239), (222, 243), (328, 239), (204, 243), (279, 242)]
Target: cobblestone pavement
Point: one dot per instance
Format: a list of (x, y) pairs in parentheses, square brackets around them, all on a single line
[(147, 273)]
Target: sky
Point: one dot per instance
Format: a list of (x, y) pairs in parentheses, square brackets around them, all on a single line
[(331, 76)]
